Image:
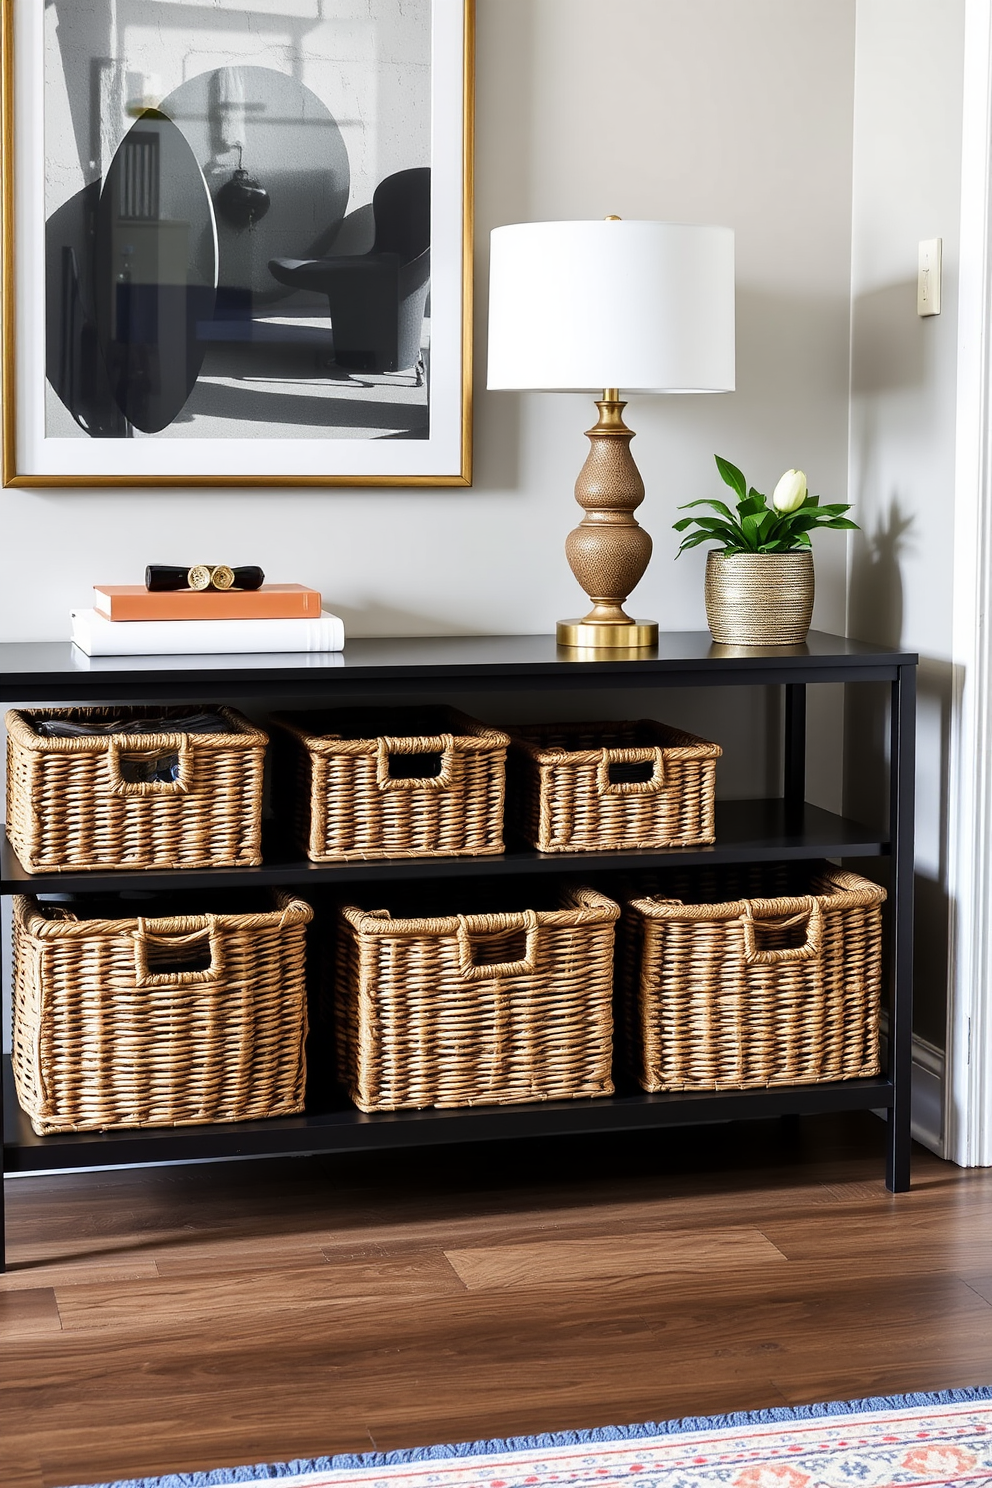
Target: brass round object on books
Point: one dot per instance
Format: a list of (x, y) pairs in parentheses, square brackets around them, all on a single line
[(199, 576), (222, 577), (587, 634)]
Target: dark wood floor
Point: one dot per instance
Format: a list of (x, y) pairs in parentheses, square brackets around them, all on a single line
[(188, 1318)]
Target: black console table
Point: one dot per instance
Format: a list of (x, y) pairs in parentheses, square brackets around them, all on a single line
[(785, 827)]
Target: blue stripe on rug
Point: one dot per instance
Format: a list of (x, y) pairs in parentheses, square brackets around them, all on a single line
[(218, 1477)]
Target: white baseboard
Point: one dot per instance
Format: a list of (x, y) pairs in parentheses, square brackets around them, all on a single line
[(928, 1095)]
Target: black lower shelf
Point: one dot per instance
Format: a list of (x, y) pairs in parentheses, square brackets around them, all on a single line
[(341, 1128), (746, 831)]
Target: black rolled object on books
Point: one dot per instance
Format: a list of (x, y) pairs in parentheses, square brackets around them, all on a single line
[(161, 578)]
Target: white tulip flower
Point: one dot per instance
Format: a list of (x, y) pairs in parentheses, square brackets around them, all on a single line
[(790, 493)]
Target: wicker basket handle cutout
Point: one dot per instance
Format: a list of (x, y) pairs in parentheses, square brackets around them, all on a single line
[(118, 746), (648, 755), (813, 917), (154, 935), (469, 925), (442, 744)]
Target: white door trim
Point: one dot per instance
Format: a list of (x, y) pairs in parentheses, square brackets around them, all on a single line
[(968, 1085)]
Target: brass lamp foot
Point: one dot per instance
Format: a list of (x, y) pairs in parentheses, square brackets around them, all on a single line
[(635, 635)]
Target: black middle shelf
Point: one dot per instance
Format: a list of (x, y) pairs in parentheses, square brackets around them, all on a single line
[(335, 1125), (746, 831)]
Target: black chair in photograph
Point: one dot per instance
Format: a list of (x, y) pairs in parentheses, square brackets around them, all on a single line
[(377, 299)]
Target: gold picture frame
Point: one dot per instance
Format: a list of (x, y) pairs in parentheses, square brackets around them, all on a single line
[(50, 437)]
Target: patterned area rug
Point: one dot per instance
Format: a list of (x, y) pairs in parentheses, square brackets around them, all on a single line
[(926, 1440)]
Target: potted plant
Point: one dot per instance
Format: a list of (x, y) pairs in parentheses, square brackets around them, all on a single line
[(759, 581)]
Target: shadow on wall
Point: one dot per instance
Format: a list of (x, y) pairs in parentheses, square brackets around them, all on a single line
[(506, 90), (378, 619), (890, 339), (866, 754), (876, 603), (876, 614)]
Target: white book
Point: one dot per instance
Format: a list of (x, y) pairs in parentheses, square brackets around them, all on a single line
[(98, 636)]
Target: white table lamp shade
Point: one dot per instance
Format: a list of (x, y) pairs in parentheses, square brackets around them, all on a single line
[(646, 307)]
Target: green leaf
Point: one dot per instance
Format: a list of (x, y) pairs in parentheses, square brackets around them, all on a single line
[(725, 529), (749, 527), (719, 506), (720, 531), (731, 476), (694, 541), (751, 505), (779, 531), (842, 523), (786, 544)]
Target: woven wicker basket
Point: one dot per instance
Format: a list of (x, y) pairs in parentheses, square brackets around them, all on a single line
[(433, 1012), (578, 787), (753, 992), (110, 1031), (393, 783), (70, 806)]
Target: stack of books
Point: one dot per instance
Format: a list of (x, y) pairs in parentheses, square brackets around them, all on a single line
[(130, 620)]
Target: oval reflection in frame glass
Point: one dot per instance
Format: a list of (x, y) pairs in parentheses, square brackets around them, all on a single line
[(156, 272), (276, 129)]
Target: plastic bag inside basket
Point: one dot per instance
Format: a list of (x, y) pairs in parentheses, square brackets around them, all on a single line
[(72, 728)]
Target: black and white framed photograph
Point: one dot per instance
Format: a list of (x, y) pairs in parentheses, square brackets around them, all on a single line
[(238, 241)]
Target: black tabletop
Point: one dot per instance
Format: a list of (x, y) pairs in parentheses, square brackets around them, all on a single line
[(58, 667)]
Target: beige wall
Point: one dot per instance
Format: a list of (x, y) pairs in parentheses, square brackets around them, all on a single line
[(907, 168), (706, 110)]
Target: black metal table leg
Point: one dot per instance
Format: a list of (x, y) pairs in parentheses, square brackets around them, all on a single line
[(902, 784), (795, 744)]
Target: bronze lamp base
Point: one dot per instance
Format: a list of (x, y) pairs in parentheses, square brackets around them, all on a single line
[(628, 635), (608, 551)]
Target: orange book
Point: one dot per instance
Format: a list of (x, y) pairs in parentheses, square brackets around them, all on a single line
[(271, 602)]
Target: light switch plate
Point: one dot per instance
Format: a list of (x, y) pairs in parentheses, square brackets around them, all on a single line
[(928, 280)]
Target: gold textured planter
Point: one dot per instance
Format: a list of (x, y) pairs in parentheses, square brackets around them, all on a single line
[(759, 599)]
